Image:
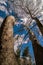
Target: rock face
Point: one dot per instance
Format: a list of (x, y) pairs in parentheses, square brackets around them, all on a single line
[(7, 56)]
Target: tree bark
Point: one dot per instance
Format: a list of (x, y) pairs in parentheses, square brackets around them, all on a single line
[(39, 24), (7, 56), (38, 50)]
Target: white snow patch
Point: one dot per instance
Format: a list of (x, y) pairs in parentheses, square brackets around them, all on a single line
[(3, 2), (1, 20), (15, 47), (2, 8), (24, 20)]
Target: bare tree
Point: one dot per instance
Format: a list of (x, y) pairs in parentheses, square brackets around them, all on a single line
[(37, 21), (30, 8)]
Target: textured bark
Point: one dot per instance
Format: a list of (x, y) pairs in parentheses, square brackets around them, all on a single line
[(39, 24), (7, 56), (38, 50)]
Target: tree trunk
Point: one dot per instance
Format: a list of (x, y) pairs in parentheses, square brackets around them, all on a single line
[(7, 56), (38, 50), (39, 24)]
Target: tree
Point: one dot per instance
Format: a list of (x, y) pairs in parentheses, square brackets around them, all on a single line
[(7, 55), (32, 9), (37, 21), (38, 50)]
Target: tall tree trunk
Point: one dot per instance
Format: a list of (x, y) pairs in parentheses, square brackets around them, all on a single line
[(38, 50), (39, 24), (7, 56)]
